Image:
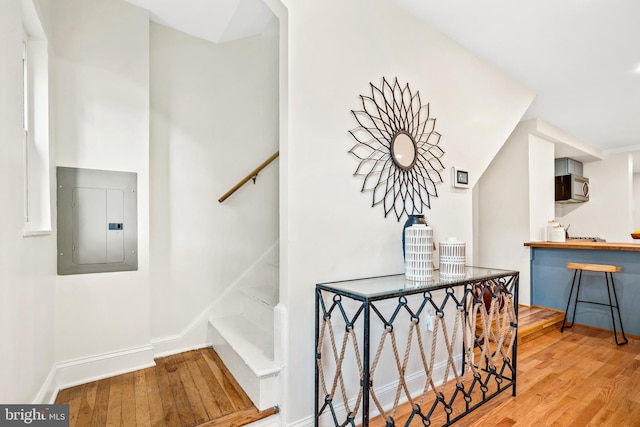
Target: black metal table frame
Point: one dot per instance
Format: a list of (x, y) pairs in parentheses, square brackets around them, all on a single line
[(508, 280)]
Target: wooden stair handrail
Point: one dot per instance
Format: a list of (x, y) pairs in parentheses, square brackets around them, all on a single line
[(246, 179)]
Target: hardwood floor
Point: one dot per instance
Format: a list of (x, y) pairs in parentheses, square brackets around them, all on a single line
[(576, 378), (186, 389)]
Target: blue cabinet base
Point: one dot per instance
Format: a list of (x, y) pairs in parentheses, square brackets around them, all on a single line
[(551, 282)]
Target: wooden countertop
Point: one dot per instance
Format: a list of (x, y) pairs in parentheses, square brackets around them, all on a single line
[(582, 244)]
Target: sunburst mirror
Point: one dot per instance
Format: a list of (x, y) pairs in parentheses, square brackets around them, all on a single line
[(397, 146)]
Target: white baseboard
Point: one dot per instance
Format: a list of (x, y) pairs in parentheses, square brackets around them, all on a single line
[(272, 421), (193, 337), (87, 369), (305, 422), (83, 370), (49, 389)]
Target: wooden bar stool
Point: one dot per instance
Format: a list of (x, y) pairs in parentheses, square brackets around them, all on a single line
[(608, 271)]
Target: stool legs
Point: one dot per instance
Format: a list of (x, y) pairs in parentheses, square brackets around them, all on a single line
[(610, 289), (573, 282), (609, 278)]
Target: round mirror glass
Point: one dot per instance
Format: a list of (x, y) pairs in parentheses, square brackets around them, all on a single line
[(403, 150)]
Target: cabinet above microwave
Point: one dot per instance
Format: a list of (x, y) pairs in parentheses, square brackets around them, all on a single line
[(567, 166)]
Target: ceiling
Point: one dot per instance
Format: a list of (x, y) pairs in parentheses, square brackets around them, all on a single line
[(217, 21), (581, 57)]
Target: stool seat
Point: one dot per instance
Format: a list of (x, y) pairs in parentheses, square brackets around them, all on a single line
[(608, 271), (604, 268)]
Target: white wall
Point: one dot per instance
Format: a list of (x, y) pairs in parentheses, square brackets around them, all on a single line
[(333, 233), (502, 197), (514, 200), (100, 111), (636, 202), (214, 118), (27, 265), (608, 213), (100, 94), (541, 186)]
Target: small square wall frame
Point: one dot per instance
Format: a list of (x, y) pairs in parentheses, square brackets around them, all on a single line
[(97, 221)]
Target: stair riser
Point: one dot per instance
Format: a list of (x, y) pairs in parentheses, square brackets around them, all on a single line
[(261, 391), (272, 274), (241, 329), (258, 313)]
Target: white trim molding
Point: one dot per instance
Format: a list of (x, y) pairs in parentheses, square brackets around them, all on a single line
[(87, 369)]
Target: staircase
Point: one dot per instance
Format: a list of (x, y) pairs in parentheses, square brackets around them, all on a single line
[(534, 321), (242, 329)]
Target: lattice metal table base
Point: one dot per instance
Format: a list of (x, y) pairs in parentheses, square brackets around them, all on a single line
[(445, 348)]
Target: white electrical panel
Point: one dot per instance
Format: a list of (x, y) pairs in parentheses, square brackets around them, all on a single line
[(97, 221)]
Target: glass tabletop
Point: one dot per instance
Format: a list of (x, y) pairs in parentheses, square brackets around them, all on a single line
[(381, 286)]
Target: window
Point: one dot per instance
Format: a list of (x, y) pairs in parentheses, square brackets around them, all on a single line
[(35, 61)]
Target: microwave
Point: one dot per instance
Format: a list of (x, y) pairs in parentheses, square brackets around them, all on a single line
[(572, 189)]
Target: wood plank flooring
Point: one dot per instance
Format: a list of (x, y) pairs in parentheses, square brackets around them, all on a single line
[(186, 389), (576, 378)]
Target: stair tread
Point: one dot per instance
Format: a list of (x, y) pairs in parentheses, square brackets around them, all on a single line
[(248, 341), (266, 294), (534, 321), (535, 316)]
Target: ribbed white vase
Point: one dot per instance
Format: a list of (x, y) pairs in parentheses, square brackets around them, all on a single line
[(419, 252), (452, 258)]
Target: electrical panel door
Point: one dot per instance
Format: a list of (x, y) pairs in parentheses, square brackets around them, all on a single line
[(97, 221)]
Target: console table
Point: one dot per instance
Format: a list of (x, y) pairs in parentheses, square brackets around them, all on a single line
[(446, 346)]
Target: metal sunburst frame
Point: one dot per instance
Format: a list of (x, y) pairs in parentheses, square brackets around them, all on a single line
[(390, 115)]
